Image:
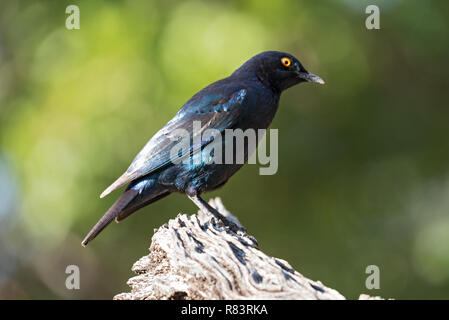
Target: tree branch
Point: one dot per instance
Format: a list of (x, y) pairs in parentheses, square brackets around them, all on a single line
[(197, 257)]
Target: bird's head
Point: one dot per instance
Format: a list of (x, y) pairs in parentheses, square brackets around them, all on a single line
[(279, 70)]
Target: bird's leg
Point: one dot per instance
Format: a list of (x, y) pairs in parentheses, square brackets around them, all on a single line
[(207, 208)]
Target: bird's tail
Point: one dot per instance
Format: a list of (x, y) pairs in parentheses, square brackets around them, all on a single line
[(139, 204), (113, 211)]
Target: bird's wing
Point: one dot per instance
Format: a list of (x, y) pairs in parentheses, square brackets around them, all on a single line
[(219, 113)]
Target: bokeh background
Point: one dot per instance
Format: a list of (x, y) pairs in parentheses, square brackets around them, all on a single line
[(363, 161)]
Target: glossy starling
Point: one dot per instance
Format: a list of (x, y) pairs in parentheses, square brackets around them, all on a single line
[(247, 99)]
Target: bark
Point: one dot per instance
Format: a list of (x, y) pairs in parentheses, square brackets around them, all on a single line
[(198, 257)]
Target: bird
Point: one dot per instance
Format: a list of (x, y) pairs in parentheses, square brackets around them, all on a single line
[(247, 99)]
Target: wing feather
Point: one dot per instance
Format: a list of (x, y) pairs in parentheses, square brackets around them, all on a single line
[(219, 114)]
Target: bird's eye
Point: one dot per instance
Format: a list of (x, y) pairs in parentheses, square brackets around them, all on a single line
[(286, 62)]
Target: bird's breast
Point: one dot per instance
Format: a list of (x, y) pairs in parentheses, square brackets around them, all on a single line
[(260, 109)]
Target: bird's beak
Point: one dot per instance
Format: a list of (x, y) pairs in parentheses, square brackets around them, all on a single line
[(310, 77)]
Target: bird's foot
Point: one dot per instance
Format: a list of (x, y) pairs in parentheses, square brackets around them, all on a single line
[(208, 209)]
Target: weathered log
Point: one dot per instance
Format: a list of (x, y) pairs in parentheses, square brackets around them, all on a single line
[(198, 257)]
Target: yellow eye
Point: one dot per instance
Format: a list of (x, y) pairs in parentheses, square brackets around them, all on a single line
[(286, 62)]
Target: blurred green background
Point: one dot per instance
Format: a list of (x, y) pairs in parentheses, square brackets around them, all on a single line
[(363, 161)]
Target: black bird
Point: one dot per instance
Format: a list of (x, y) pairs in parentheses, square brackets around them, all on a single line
[(247, 99)]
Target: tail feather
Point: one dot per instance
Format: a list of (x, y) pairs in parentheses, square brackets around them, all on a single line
[(118, 206), (120, 182), (128, 211)]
